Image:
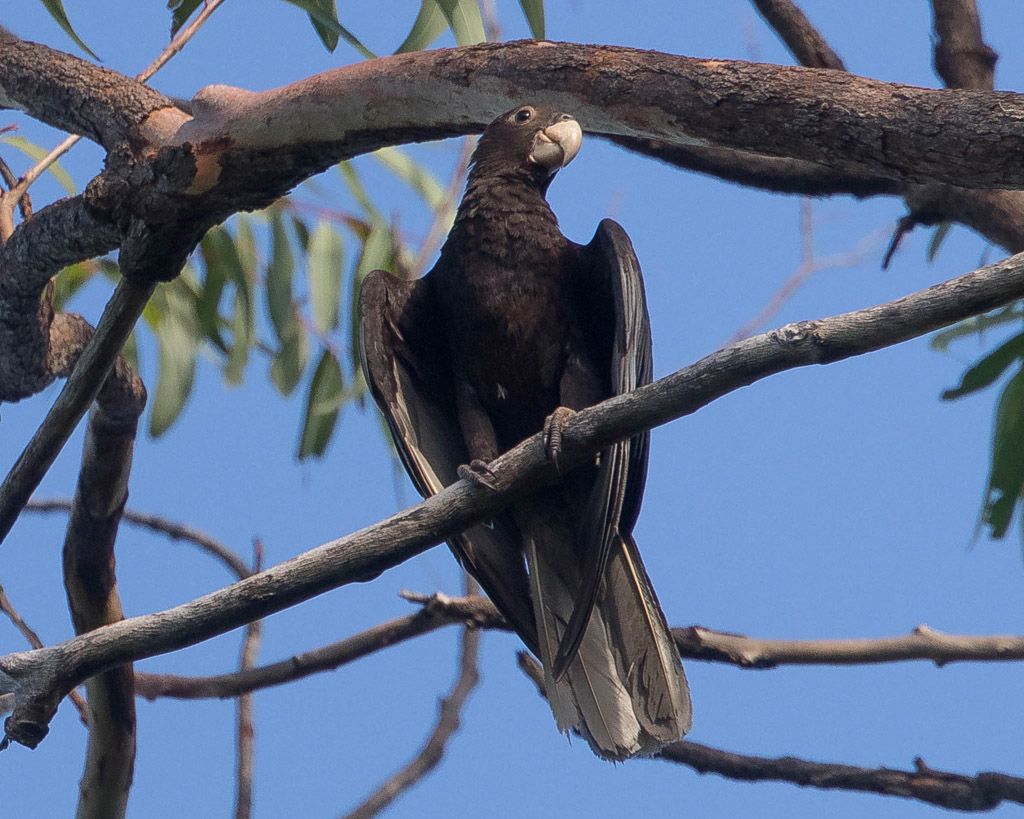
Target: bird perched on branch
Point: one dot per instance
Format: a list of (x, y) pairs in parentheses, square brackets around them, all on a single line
[(513, 329)]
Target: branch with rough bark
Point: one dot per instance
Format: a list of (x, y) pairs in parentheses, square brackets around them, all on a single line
[(169, 176), (982, 792), (41, 678)]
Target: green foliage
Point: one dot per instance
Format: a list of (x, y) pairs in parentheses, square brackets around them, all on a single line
[(429, 24), (323, 404), (464, 19), (534, 11), (325, 253), (1006, 479), (977, 326), (324, 16), (1005, 487), (178, 341), (37, 153), (938, 237), (56, 9), (181, 10)]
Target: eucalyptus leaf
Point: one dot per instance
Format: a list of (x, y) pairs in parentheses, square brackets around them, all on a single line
[(243, 319), (988, 370), (279, 276), (977, 326), (1006, 480), (328, 36), (465, 20), (289, 362), (324, 19), (69, 281), (177, 344), (323, 403), (325, 261), (534, 12), (416, 176), (56, 9), (430, 24), (181, 11), (354, 182)]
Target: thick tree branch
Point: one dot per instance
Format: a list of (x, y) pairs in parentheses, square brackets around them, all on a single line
[(771, 173), (74, 95), (868, 128), (43, 677), (967, 62)]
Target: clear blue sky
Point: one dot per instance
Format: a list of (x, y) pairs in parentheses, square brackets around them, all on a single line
[(837, 501)]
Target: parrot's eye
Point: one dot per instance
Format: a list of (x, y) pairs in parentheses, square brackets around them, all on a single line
[(524, 114)]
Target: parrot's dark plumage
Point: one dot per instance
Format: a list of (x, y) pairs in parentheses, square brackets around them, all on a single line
[(513, 322)]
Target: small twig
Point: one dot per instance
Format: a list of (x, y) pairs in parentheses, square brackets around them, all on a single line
[(982, 792), (923, 643), (809, 266), (178, 43), (246, 731), (447, 724)]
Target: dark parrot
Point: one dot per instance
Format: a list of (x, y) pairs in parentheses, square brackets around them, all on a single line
[(514, 328)]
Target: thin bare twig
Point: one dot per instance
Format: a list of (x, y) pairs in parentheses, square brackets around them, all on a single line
[(984, 791), (246, 731), (700, 643), (809, 266), (155, 523), (447, 724), (179, 41)]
